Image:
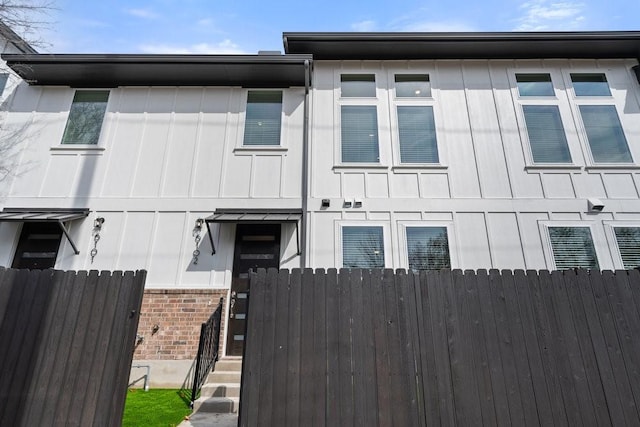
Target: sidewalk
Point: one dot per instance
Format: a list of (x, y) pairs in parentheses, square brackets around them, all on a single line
[(210, 420)]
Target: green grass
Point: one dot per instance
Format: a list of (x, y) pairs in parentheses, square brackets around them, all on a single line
[(155, 408)]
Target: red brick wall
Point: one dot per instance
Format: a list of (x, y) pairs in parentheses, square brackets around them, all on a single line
[(179, 314)]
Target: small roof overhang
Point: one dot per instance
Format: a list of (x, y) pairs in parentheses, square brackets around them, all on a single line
[(497, 45), (111, 70), (255, 216), (45, 215)]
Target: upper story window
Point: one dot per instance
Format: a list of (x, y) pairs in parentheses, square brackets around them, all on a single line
[(362, 247), (604, 134), (358, 85), (359, 134), (263, 118), (534, 84), (412, 86), (590, 84), (573, 247), (547, 139), (85, 117), (417, 134), (628, 239), (428, 248)]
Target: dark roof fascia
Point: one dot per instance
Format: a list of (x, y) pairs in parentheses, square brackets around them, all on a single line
[(496, 45), (21, 44), (112, 70)]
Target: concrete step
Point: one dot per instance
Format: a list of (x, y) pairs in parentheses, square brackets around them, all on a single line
[(223, 377), (225, 364), (220, 390), (218, 405)]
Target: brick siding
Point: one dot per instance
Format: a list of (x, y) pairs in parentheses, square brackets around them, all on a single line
[(179, 314)]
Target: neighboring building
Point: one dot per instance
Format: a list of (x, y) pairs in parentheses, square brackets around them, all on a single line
[(456, 150)]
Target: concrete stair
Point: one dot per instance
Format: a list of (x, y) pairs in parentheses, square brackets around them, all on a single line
[(221, 393)]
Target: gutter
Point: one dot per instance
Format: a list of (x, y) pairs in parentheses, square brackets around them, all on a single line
[(305, 164)]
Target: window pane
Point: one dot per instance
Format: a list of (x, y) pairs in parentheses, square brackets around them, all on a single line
[(86, 117), (590, 85), (359, 126), (604, 132), (417, 133), (573, 247), (262, 121), (3, 81), (534, 85), (428, 248), (412, 85), (629, 245), (358, 85), (546, 134), (362, 247)]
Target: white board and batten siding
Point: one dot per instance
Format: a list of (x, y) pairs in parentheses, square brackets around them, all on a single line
[(486, 189), (166, 156)]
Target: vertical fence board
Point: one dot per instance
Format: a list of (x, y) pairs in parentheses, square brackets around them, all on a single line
[(265, 402), (281, 347), (307, 386), (333, 348), (345, 352), (294, 339)]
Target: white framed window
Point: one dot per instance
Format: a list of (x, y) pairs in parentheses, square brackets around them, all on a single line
[(362, 244), (427, 245), (624, 242), (570, 245), (263, 118), (357, 85), (542, 115), (590, 84), (359, 134), (86, 117), (412, 85)]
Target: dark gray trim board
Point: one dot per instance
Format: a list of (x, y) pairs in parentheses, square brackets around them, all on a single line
[(513, 45), (94, 70)]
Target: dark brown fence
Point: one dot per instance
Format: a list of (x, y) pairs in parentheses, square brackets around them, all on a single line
[(384, 348), (66, 344)]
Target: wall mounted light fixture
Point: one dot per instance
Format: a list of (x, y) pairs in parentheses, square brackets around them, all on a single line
[(97, 228), (197, 230)]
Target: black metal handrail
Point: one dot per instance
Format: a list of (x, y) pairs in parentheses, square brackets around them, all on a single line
[(207, 350)]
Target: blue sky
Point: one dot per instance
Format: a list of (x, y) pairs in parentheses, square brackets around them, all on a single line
[(224, 27)]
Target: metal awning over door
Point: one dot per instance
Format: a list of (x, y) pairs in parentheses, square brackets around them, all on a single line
[(45, 215), (255, 216)]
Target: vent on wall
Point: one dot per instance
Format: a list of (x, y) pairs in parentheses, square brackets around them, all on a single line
[(636, 70)]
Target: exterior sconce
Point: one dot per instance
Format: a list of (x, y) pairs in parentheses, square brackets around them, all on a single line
[(595, 205), (97, 228), (197, 229)]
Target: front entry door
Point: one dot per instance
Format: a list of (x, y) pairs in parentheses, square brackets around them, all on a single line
[(257, 246)]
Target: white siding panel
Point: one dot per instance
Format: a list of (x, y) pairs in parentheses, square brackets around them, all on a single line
[(208, 164), (473, 244), (26, 98), (589, 185), (404, 186), (620, 186), (322, 240), (558, 185), (455, 122), (136, 240), (166, 249), (89, 176), (377, 185), (55, 100), (531, 239), (504, 240), (435, 185), (353, 185), (9, 238), (437, 216), (152, 153), (267, 177), (237, 177), (61, 172), (179, 161), (485, 130), (123, 152)]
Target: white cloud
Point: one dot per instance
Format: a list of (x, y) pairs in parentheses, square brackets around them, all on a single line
[(142, 13), (225, 47), (540, 15), (436, 27), (364, 26)]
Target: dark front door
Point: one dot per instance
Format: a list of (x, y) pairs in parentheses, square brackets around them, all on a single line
[(38, 246), (257, 246)]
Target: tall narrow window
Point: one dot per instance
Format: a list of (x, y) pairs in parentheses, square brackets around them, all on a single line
[(546, 134), (417, 134), (359, 128), (362, 247), (628, 239), (573, 247), (534, 85), (263, 118), (428, 248), (412, 86), (604, 133), (358, 85), (594, 84), (86, 117)]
